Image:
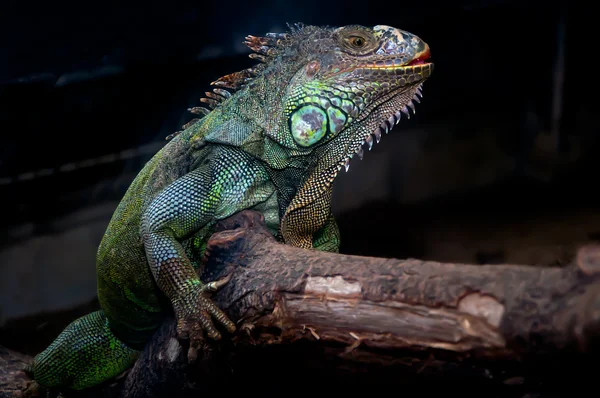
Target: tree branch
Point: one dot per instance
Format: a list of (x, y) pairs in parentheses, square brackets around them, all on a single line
[(364, 312), (352, 313)]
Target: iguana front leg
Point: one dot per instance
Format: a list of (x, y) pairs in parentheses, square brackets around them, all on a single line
[(215, 191), (176, 277)]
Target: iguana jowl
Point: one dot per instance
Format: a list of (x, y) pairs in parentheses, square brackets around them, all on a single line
[(274, 143)]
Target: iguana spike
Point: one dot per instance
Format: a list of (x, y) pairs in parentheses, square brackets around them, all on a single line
[(258, 57), (360, 152), (405, 111), (261, 45), (369, 141), (223, 93), (210, 102), (392, 121), (255, 42), (199, 110), (191, 122), (398, 115), (377, 134), (213, 99), (171, 136), (214, 96), (257, 69), (233, 80)]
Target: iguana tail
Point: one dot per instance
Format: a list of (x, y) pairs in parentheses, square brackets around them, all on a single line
[(85, 354)]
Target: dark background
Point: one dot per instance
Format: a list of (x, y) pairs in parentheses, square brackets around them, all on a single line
[(499, 164)]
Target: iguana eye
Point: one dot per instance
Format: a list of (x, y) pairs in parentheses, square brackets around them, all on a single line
[(357, 41)]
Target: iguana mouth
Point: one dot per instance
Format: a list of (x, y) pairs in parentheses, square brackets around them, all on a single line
[(392, 65), (393, 62), (421, 58), (418, 61)]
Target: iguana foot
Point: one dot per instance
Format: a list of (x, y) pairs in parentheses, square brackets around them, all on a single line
[(194, 315)]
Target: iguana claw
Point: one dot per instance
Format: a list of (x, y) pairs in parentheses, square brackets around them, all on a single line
[(194, 317), (216, 285)]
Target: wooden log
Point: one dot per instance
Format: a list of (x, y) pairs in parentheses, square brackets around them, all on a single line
[(345, 315), (400, 317)]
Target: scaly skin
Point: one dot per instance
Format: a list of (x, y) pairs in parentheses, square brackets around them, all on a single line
[(274, 145)]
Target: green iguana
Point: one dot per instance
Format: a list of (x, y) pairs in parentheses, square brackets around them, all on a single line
[(273, 142)]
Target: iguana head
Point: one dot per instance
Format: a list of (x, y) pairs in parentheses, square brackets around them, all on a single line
[(332, 90)]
